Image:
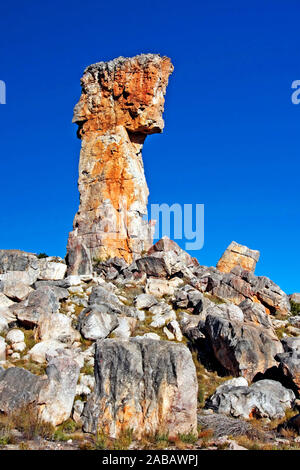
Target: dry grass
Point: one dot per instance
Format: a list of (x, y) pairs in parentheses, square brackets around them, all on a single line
[(27, 421)]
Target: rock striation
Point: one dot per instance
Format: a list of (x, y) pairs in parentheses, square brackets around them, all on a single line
[(122, 101), (145, 385)]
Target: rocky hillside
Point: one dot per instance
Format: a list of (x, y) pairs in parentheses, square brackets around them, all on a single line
[(146, 354), (126, 344)]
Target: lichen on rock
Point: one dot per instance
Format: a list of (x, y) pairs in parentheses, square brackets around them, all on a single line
[(122, 101)]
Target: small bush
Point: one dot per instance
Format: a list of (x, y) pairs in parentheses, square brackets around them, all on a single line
[(42, 255), (188, 438), (295, 308)]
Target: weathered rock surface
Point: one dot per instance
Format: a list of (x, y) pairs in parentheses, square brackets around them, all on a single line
[(51, 268), (57, 395), (16, 260), (44, 300), (241, 348), (239, 285), (146, 385), (238, 255), (145, 301), (57, 327), (121, 103), (97, 321), (264, 399), (18, 388), (53, 396), (290, 366), (165, 259), (15, 285)]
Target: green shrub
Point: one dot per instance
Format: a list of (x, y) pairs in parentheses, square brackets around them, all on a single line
[(295, 308)]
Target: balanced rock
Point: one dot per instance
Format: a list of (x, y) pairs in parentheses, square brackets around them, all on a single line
[(122, 101), (238, 255), (145, 385)]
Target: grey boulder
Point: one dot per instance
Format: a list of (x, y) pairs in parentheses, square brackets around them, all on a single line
[(263, 399), (146, 385)]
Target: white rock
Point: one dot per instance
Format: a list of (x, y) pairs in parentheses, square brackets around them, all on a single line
[(145, 301), (57, 327), (16, 285), (2, 349), (15, 336), (161, 287), (50, 270), (39, 350), (19, 347), (162, 315), (174, 327), (5, 301), (149, 336), (75, 290), (168, 333), (15, 356), (126, 327), (77, 411)]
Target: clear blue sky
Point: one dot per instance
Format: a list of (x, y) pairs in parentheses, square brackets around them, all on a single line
[(231, 139)]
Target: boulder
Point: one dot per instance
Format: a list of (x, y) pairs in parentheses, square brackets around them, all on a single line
[(16, 260), (109, 302), (289, 364), (162, 287), (146, 385), (145, 301), (5, 301), (189, 298), (239, 285), (97, 321), (165, 259), (174, 327), (52, 397), (57, 395), (15, 336), (16, 285), (291, 344), (44, 300), (51, 268), (238, 255), (263, 399), (255, 313), (18, 388), (39, 351), (162, 314), (241, 348), (125, 328), (57, 327)]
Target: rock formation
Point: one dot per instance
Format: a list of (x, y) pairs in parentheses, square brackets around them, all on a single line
[(238, 255), (122, 101), (145, 385)]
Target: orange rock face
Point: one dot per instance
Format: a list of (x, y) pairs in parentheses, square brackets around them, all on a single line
[(238, 255), (122, 102)]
